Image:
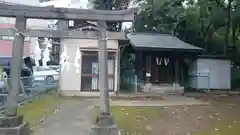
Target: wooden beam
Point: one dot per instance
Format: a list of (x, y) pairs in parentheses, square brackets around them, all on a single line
[(64, 34), (66, 13)]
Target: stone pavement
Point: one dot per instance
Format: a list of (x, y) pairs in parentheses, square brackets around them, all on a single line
[(72, 118), (168, 100)]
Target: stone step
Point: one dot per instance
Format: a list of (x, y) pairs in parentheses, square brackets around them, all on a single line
[(163, 89)]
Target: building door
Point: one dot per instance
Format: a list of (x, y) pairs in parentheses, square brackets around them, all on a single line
[(163, 70), (90, 79)]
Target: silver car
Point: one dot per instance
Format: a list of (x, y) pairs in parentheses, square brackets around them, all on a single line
[(46, 74)]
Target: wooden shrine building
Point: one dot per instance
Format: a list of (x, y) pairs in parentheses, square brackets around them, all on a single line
[(163, 58)]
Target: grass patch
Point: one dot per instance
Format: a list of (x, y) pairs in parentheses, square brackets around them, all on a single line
[(34, 111), (135, 119)]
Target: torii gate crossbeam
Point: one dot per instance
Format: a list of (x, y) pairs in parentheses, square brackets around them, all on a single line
[(12, 124), (66, 13)]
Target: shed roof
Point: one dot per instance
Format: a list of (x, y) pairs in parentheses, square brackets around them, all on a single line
[(159, 41)]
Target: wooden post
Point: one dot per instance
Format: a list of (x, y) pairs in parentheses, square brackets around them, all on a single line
[(138, 65), (118, 70), (176, 71)]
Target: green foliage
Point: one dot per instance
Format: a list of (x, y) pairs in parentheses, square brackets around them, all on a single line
[(111, 5), (211, 24)]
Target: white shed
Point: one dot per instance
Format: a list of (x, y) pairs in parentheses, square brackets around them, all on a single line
[(210, 72), (83, 80)]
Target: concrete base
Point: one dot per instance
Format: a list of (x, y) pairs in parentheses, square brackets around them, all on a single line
[(168, 89), (22, 129), (104, 125), (77, 93), (11, 121)]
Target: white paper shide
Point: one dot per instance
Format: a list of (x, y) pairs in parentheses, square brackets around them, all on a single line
[(37, 54), (77, 60), (64, 60), (46, 53)]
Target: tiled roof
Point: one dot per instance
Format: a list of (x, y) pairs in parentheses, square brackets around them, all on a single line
[(163, 41)]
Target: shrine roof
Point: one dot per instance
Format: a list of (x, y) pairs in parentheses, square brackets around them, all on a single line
[(160, 41)]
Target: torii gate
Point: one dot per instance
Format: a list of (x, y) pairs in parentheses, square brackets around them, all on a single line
[(12, 124)]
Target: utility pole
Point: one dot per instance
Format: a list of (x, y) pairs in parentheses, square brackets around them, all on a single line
[(12, 123)]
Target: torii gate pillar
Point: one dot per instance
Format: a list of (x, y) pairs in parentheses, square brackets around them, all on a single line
[(12, 123)]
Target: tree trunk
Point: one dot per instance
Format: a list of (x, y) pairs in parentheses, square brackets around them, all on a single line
[(203, 31), (234, 38), (228, 25)]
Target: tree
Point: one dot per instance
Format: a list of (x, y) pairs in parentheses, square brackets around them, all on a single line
[(112, 5), (199, 23), (172, 18)]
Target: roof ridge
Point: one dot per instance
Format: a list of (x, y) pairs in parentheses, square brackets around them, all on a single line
[(158, 40), (151, 33)]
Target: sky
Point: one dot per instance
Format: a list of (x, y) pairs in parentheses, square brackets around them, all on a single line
[(75, 4), (61, 3)]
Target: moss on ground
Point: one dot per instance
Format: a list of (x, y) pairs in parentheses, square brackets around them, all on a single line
[(36, 110)]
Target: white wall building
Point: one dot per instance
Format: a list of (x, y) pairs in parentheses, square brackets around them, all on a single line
[(86, 82), (210, 73)]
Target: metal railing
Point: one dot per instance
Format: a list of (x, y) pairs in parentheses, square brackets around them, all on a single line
[(130, 82), (32, 87)]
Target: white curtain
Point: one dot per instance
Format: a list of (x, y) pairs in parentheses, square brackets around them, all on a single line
[(95, 81)]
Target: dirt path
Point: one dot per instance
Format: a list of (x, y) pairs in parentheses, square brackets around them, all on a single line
[(184, 120), (72, 118), (221, 116)]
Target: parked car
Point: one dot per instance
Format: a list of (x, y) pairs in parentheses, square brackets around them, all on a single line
[(26, 71), (46, 74), (54, 67), (2, 83)]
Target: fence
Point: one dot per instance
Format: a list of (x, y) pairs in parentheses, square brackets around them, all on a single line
[(32, 87), (129, 83)]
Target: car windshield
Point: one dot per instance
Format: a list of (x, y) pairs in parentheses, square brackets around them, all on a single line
[(54, 67), (43, 69)]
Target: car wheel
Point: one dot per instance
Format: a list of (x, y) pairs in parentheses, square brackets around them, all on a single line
[(49, 79)]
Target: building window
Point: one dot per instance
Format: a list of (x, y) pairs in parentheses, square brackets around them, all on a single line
[(71, 23), (12, 38), (90, 78), (7, 37)]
